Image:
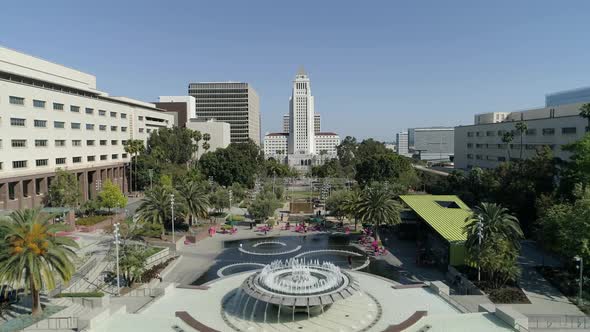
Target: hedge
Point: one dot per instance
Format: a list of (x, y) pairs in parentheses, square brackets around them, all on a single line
[(81, 294), (92, 220)]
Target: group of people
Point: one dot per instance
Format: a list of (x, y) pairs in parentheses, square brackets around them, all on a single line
[(369, 241)]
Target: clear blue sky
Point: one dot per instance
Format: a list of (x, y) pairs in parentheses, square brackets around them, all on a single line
[(376, 66)]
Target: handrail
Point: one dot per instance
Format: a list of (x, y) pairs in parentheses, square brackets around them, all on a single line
[(559, 321)]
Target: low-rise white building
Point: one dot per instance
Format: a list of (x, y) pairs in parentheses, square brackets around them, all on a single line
[(53, 117), (481, 145), (326, 143), (276, 145), (219, 133)]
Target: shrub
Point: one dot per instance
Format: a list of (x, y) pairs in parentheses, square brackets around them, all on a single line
[(150, 230), (82, 294), (153, 250), (235, 217), (91, 221), (508, 295), (153, 271)]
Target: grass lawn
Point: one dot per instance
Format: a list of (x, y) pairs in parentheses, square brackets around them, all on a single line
[(301, 194), (91, 221)]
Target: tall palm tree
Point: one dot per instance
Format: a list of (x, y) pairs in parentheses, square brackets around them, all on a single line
[(155, 207), (31, 255), (585, 113), (206, 138), (130, 149), (139, 148), (521, 128), (194, 198), (497, 222), (196, 136), (507, 138), (351, 205), (206, 146), (377, 205)]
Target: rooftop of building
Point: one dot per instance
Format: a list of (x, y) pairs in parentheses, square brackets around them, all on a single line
[(277, 134)]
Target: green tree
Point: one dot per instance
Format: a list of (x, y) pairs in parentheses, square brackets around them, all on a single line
[(194, 198), (382, 167), (578, 167), (336, 204), (64, 190), (111, 196), (196, 136), (32, 255), (219, 199), (133, 147), (347, 155), (155, 206), (132, 262), (239, 162), (585, 113), (377, 205), (521, 128), (351, 206), (171, 145), (497, 223), (264, 206)]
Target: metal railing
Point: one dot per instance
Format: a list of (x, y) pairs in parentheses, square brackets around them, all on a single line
[(146, 292), (55, 323), (76, 277), (559, 322), (454, 303)]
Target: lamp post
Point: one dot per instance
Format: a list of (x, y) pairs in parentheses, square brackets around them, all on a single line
[(172, 209), (231, 196), (480, 238), (580, 266), (117, 236), (98, 185)]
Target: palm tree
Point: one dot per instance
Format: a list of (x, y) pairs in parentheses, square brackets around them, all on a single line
[(351, 205), (496, 221), (585, 113), (377, 206), (134, 147), (155, 207), (521, 128), (32, 255), (507, 138), (196, 135), (206, 138), (130, 149), (194, 198), (139, 148)]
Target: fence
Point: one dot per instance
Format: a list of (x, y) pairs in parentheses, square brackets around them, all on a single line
[(55, 323), (90, 264), (146, 292), (559, 322), (157, 258)]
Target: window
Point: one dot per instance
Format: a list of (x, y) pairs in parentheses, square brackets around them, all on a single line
[(103, 157), (102, 127), (113, 114), (531, 132), (102, 112), (40, 123), (19, 143), (568, 130), (89, 110), (477, 133), (123, 116), (90, 142), (60, 142), (89, 126), (76, 142), (530, 146), (90, 158), (470, 134), (103, 142), (501, 158), (58, 107), (114, 156), (501, 132), (469, 156), (16, 100), (0, 165), (19, 164), (75, 109), (60, 161), (478, 157), (113, 142), (478, 146), (141, 130), (123, 129), (123, 142), (17, 122), (41, 143), (149, 131), (124, 155), (59, 124), (41, 162), (113, 128), (75, 125), (140, 118), (490, 133), (38, 103), (76, 160)]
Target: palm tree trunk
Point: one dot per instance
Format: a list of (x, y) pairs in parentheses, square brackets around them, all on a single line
[(520, 146), (131, 174), (36, 309)]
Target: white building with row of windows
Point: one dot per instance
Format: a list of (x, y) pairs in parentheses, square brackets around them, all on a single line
[(552, 126), (302, 142), (53, 117)]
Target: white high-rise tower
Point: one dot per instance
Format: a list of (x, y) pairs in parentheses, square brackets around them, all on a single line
[(301, 116)]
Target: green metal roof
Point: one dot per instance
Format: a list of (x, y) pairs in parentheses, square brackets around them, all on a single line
[(446, 221)]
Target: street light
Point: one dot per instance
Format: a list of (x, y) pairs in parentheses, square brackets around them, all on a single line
[(580, 266), (117, 236), (98, 185), (480, 238), (172, 208), (231, 196)]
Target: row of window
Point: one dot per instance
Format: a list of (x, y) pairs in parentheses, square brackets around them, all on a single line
[(14, 100), (529, 132), (504, 146), (61, 161), (22, 143), (19, 122)]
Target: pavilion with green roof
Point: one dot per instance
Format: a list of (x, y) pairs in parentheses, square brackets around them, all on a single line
[(445, 216)]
